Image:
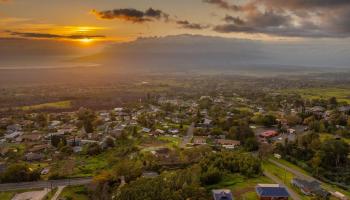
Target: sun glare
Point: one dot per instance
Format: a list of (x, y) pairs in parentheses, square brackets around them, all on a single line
[(86, 40)]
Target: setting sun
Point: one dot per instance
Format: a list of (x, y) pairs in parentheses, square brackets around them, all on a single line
[(86, 40)]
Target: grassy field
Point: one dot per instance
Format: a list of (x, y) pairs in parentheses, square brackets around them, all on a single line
[(342, 94), (326, 136), (74, 193), (52, 105), (241, 187)]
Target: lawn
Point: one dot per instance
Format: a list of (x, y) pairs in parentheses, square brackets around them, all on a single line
[(241, 187), (52, 105), (74, 193), (342, 94), (7, 195), (173, 141)]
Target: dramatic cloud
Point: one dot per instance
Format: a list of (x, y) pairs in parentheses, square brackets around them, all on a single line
[(234, 20), (223, 4), (188, 25), (52, 36), (133, 15), (297, 18), (304, 4)]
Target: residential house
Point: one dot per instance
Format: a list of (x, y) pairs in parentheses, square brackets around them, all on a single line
[(309, 187), (31, 137), (199, 140), (344, 109), (222, 194), (33, 157), (271, 192)]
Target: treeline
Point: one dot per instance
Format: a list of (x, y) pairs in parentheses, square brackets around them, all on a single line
[(325, 159)]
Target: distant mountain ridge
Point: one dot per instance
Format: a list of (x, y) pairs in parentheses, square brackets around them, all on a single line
[(206, 52)]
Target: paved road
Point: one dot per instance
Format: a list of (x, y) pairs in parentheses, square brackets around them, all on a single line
[(187, 139), (292, 194), (44, 184)]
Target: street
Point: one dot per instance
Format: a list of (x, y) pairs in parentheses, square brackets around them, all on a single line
[(44, 184)]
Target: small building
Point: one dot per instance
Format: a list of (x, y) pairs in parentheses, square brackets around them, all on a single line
[(33, 157), (150, 174), (146, 130), (222, 194), (228, 144), (271, 192), (309, 187)]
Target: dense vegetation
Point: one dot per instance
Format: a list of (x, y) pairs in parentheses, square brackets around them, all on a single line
[(325, 159), (176, 184)]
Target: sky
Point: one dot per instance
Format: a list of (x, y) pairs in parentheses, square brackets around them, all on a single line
[(93, 21)]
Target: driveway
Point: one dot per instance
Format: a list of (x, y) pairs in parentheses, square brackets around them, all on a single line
[(187, 139), (34, 195)]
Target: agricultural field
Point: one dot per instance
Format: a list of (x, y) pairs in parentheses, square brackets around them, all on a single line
[(241, 187), (52, 105), (342, 94)]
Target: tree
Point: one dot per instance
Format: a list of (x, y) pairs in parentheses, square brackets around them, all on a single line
[(58, 140), (335, 153), (130, 169), (41, 120), (19, 173), (93, 149), (87, 117), (251, 144), (211, 176)]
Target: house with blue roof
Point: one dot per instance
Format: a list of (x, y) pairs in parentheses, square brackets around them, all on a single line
[(222, 194), (271, 192)]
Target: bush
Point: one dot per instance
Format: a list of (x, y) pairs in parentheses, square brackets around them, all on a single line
[(211, 176)]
